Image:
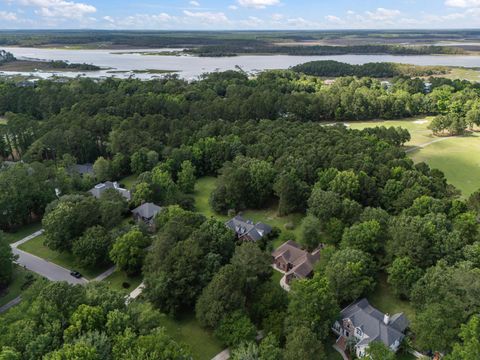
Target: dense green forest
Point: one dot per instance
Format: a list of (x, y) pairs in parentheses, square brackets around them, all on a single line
[(331, 68), (268, 139)]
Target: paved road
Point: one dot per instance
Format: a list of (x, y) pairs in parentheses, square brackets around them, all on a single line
[(224, 355), (28, 238), (45, 268), (10, 304), (40, 266), (105, 274)]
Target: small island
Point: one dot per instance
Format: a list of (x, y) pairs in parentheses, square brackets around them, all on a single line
[(8, 62)]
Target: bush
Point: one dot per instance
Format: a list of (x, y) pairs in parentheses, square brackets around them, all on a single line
[(235, 329), (289, 226), (126, 285)]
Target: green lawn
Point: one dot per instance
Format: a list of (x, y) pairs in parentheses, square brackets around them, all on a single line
[(15, 288), (416, 126), (64, 259), (384, 300), (457, 158), (3, 121), (116, 280), (205, 186), (454, 156), (129, 181), (23, 232), (276, 277), (186, 330)]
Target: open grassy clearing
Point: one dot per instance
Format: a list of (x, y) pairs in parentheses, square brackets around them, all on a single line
[(187, 330), (455, 156), (22, 232), (205, 186), (3, 121), (463, 74), (384, 300), (17, 285), (116, 280), (276, 277), (458, 158), (416, 126), (129, 181), (64, 259)]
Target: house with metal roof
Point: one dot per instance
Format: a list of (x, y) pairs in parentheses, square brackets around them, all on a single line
[(364, 324), (99, 189), (246, 230)]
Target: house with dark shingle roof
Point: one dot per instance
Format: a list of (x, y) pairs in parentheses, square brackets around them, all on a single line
[(295, 262), (365, 324), (83, 169), (246, 230), (99, 189), (146, 213)]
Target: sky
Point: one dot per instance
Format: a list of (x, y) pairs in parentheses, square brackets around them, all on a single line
[(239, 14)]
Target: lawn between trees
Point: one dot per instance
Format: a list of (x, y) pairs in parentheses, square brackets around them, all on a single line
[(205, 186), (382, 297), (452, 155), (21, 280)]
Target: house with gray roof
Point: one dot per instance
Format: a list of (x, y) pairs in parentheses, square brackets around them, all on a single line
[(364, 324), (294, 262), (83, 169), (146, 213), (99, 189), (246, 230)]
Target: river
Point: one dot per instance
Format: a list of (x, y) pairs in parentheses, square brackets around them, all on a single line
[(191, 67)]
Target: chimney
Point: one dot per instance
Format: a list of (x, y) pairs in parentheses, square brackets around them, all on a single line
[(386, 319)]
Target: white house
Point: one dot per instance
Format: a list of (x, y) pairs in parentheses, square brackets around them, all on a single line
[(364, 324)]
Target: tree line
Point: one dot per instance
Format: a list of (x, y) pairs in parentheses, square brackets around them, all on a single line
[(331, 68), (234, 49), (375, 210)]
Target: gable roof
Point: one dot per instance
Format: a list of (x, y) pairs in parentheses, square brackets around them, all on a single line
[(244, 227), (371, 321), (147, 210), (99, 189), (83, 169), (302, 262)]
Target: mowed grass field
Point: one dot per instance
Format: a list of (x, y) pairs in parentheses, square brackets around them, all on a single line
[(116, 280), (416, 126), (457, 157), (187, 330)]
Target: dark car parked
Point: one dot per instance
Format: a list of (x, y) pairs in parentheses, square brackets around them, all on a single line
[(76, 274)]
